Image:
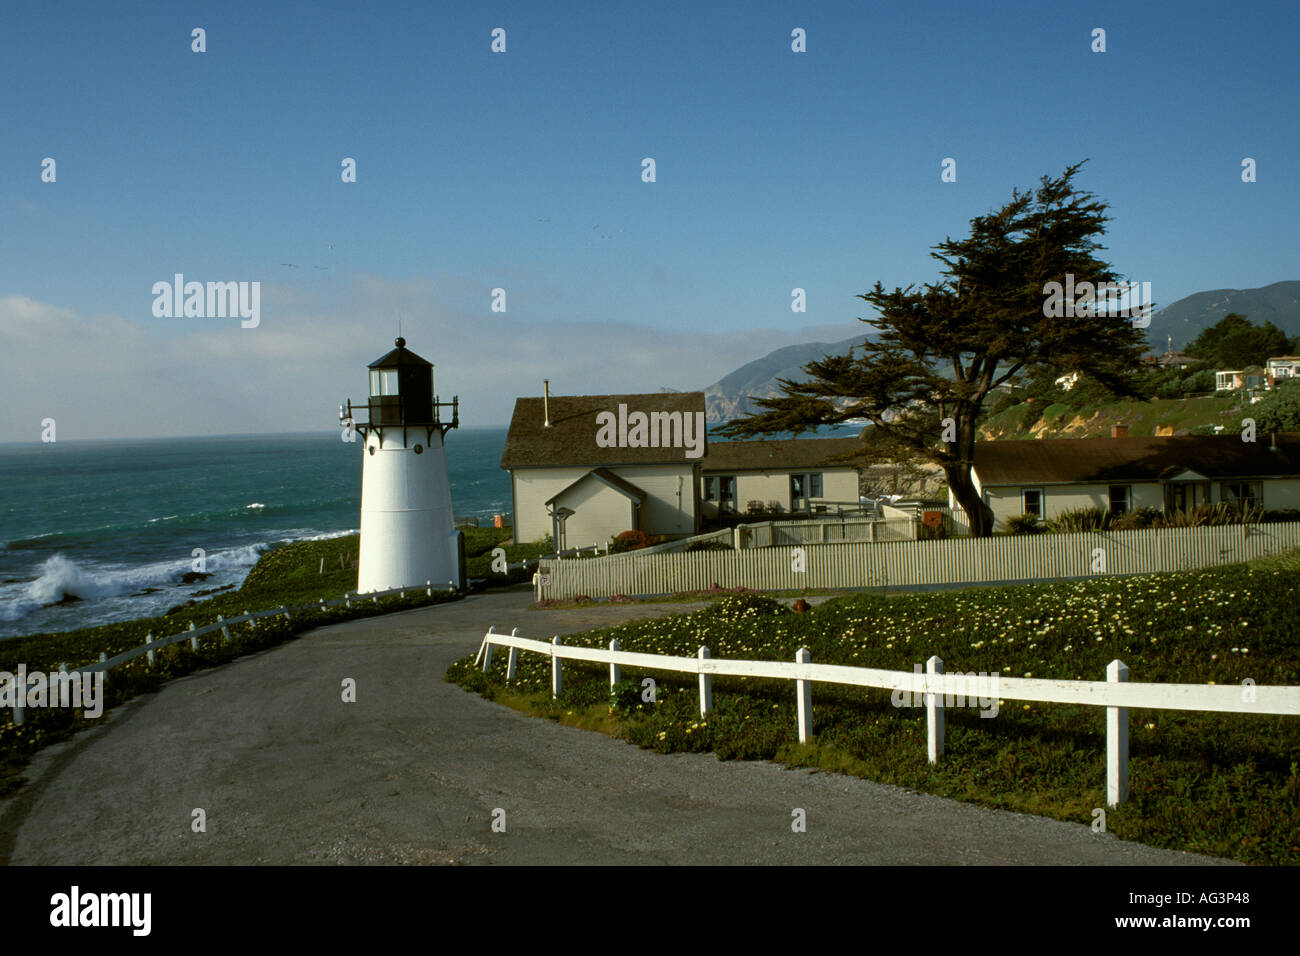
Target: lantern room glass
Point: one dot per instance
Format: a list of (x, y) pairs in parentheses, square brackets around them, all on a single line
[(383, 381)]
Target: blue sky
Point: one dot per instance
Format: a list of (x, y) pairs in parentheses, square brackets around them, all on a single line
[(522, 170)]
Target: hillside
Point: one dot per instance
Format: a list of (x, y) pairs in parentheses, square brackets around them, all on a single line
[(730, 396), (1039, 419), (1185, 319)]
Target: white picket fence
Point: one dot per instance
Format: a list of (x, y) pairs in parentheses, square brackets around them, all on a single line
[(1115, 693), (886, 564), (151, 645)]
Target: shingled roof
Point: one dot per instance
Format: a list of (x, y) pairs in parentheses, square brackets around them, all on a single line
[(781, 455), (1143, 458), (571, 439)]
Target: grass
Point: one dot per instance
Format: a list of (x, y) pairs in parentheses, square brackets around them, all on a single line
[(1220, 784)]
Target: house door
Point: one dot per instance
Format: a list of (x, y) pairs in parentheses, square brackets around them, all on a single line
[(798, 493), (1185, 496)]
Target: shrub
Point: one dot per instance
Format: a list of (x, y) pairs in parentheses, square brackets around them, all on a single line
[(1137, 518), (1080, 519), (709, 546), (630, 541), (1024, 524)]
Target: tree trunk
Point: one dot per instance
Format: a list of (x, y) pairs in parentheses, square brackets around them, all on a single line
[(963, 489)]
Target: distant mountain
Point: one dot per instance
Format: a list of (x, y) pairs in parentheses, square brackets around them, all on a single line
[(1185, 319), (1279, 303), (730, 397)]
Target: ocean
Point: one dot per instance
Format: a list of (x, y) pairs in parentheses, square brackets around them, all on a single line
[(113, 524)]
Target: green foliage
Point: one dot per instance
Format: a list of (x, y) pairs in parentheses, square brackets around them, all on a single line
[(1079, 519), (480, 541), (1024, 524), (735, 607), (1279, 410), (1235, 343), (1221, 784)]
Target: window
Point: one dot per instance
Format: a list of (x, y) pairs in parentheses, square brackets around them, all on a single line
[(815, 486), (1241, 494), (720, 488), (383, 381), (796, 487), (727, 490), (1032, 501), (1120, 502)]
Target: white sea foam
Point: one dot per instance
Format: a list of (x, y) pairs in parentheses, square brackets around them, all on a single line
[(256, 505), (60, 577)]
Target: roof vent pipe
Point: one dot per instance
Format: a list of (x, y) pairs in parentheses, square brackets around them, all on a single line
[(546, 400)]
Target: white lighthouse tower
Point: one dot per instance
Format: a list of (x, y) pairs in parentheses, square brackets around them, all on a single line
[(406, 521)]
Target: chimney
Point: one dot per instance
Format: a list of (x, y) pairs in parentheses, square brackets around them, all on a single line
[(1119, 431), (546, 400)]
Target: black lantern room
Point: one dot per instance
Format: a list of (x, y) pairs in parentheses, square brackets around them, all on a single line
[(401, 396)]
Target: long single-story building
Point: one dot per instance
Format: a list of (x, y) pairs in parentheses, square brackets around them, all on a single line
[(801, 474), (1046, 477), (584, 468)]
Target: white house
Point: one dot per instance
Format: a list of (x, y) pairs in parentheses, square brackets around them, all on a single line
[(1046, 477), (584, 468), (793, 475), (1284, 367)]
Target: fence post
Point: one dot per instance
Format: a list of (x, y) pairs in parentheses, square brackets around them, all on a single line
[(556, 676), (194, 640), (615, 672), (252, 622), (103, 659), (428, 588), (803, 697), (934, 709), (487, 652), (347, 599), (492, 629), (513, 660), (285, 611), (148, 639), (1116, 741), (706, 684)]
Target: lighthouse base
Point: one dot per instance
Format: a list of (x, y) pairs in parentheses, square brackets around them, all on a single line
[(407, 539)]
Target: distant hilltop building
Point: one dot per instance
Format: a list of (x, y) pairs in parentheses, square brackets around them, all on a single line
[(407, 537)]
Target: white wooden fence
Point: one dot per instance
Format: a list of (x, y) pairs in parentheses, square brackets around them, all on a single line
[(952, 561), (1115, 693), (151, 645), (770, 534)]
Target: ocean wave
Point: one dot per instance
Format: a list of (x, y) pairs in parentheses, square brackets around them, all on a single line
[(61, 578), (257, 505)]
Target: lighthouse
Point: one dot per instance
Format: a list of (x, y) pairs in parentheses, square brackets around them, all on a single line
[(407, 537)]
